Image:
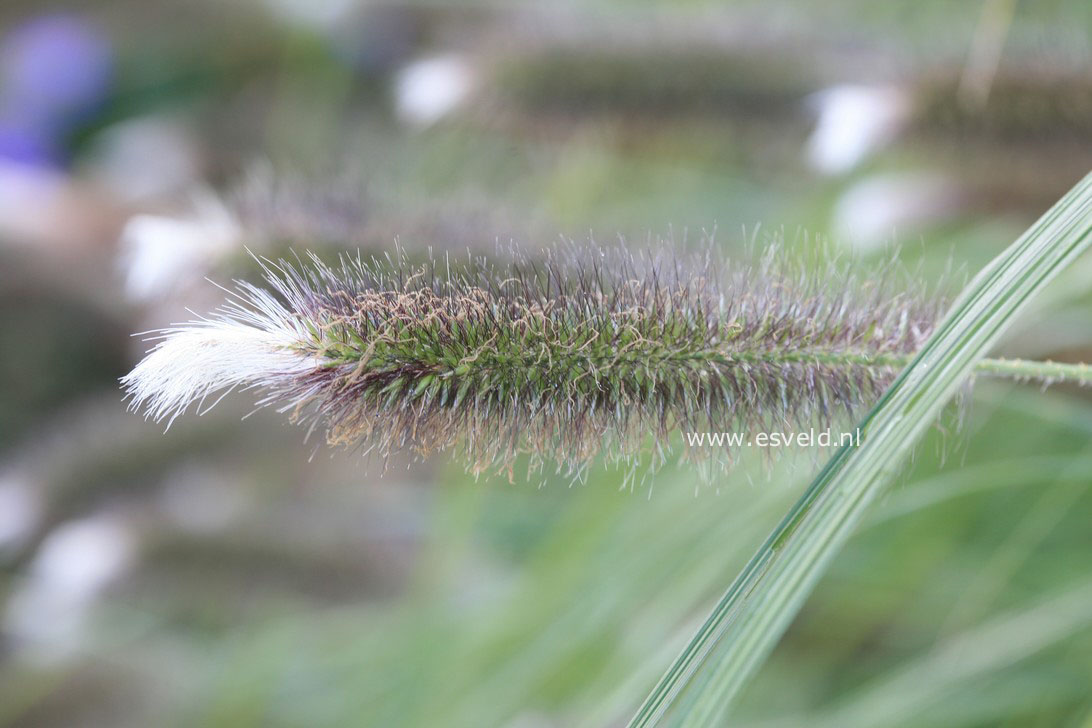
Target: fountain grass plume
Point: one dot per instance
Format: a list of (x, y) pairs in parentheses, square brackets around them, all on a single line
[(579, 351)]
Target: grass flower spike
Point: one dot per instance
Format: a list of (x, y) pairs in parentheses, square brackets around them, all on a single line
[(582, 351)]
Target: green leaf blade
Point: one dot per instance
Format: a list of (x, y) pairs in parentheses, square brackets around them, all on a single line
[(747, 622)]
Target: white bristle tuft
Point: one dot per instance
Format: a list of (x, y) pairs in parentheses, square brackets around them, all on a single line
[(199, 359)]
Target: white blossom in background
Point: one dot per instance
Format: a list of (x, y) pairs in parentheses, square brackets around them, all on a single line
[(25, 194), (144, 160), (872, 213), (427, 90), (853, 122), (20, 510), (159, 252), (47, 613), (49, 212)]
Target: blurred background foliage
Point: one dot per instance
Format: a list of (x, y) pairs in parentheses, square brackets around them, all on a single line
[(230, 574)]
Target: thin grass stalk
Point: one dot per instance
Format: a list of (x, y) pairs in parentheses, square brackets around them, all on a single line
[(699, 688)]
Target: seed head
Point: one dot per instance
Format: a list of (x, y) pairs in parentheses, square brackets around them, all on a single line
[(579, 351)]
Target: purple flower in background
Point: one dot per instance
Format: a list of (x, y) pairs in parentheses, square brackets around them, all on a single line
[(54, 69), (54, 65), (28, 143)]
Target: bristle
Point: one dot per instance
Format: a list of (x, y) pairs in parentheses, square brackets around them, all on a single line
[(584, 350)]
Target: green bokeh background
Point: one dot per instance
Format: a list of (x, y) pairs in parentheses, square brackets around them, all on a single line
[(327, 590)]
